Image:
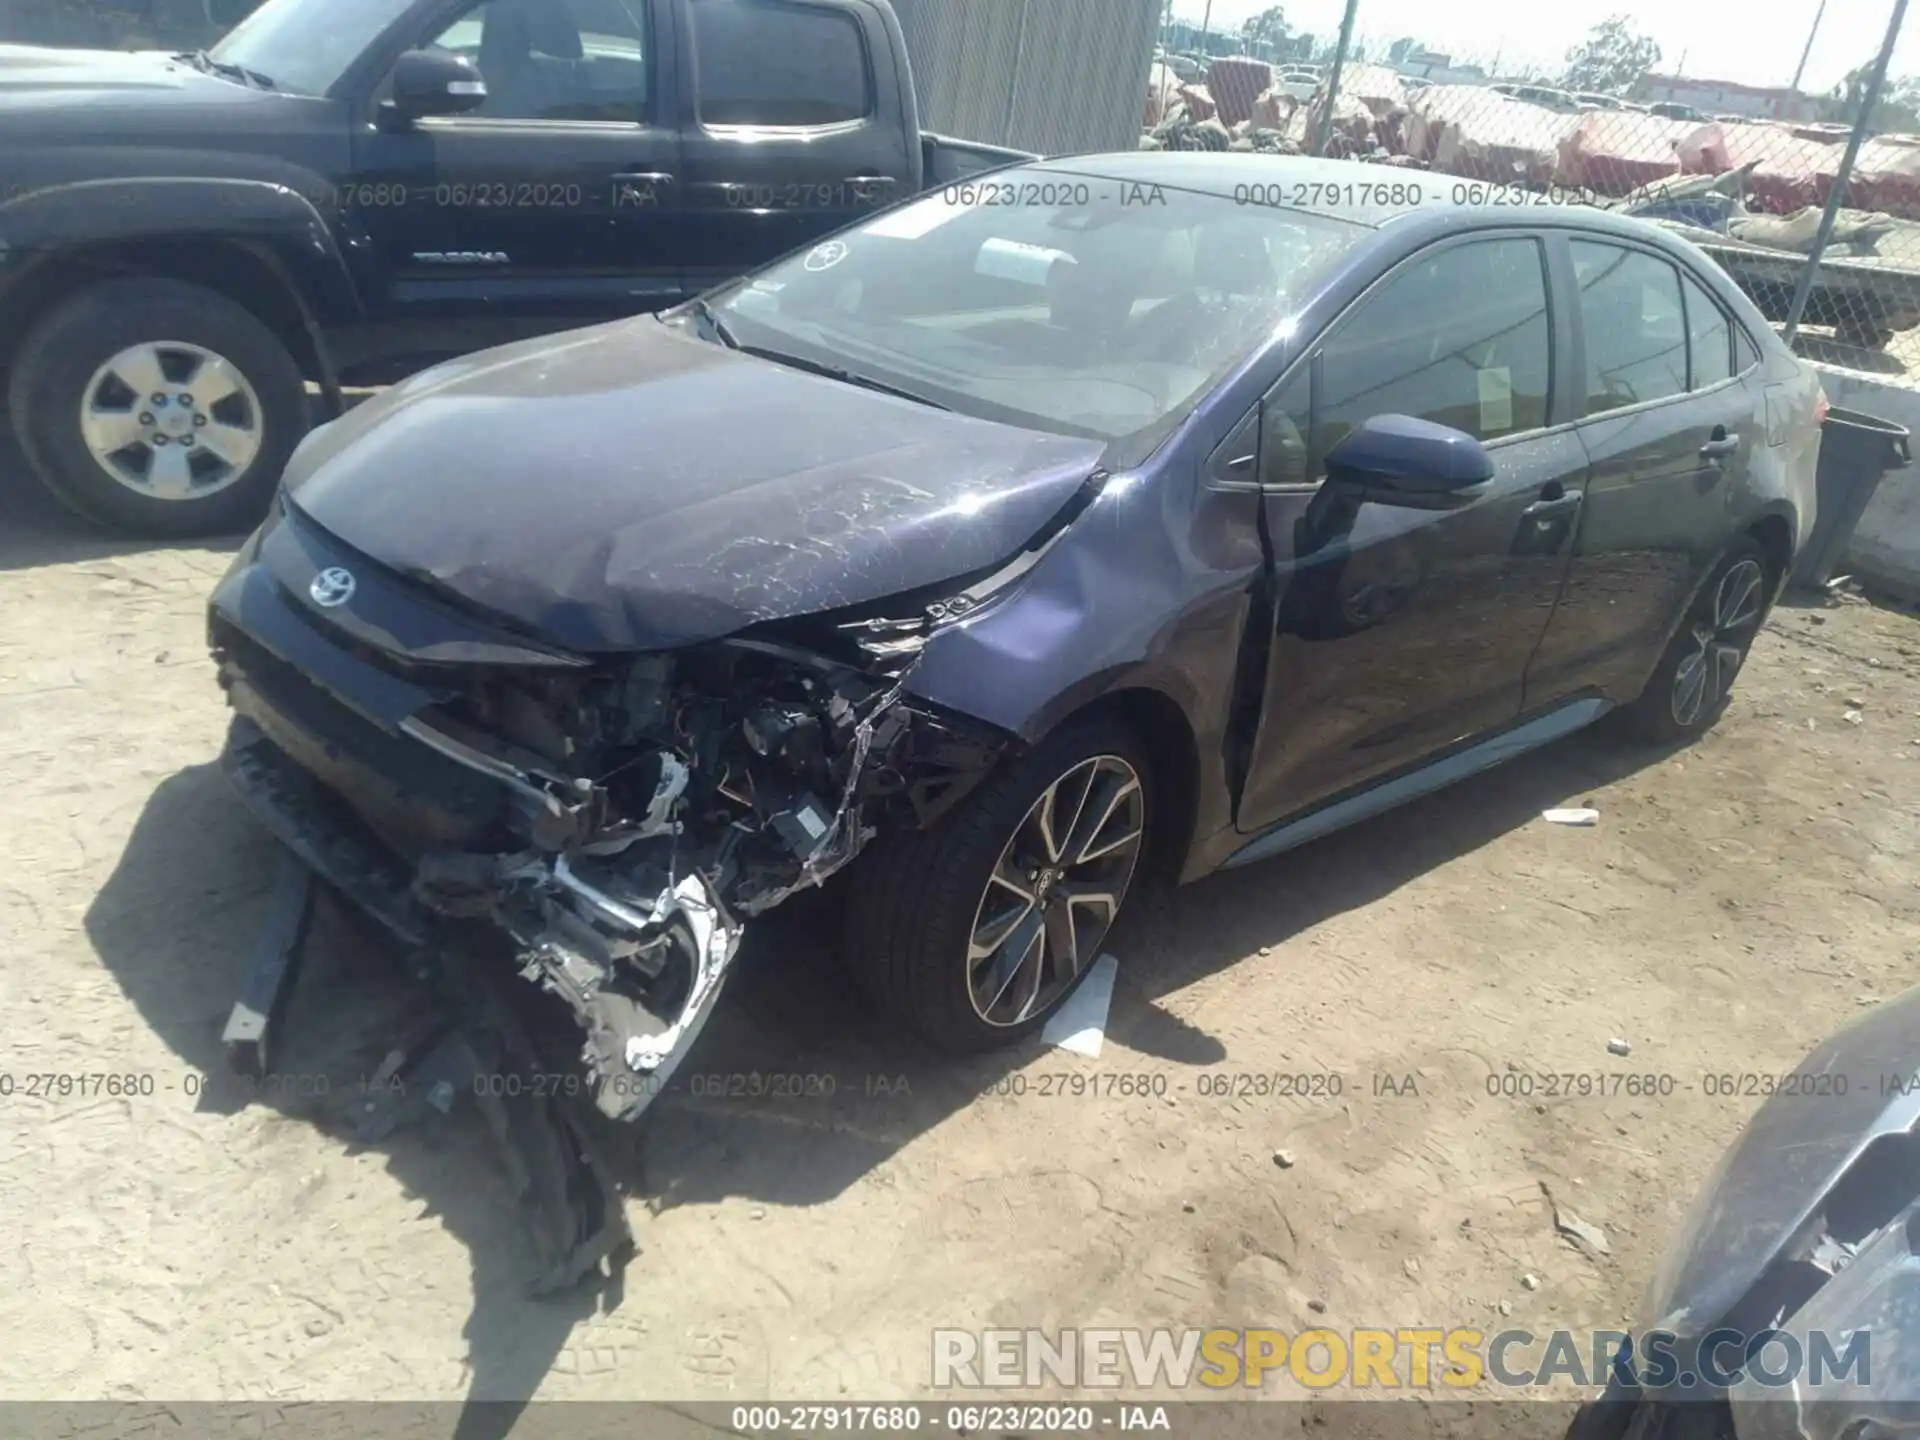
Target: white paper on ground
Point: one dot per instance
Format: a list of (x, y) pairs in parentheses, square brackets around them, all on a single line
[(1571, 817), (1080, 1025)]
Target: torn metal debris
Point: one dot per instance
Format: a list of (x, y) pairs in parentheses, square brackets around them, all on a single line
[(646, 810)]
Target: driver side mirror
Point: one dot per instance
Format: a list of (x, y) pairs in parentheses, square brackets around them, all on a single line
[(1403, 460), (433, 82)]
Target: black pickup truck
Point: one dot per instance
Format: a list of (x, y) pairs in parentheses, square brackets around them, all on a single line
[(342, 191)]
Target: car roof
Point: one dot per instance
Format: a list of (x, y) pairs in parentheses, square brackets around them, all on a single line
[(1352, 190), (1225, 173)]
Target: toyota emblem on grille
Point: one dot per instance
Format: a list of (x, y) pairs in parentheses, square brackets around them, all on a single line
[(332, 587)]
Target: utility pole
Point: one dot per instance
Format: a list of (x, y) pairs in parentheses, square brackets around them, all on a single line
[(1333, 79), (1206, 19), (1800, 69), (1868, 102)]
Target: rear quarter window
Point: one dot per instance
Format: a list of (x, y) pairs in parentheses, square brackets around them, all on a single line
[(1709, 336)]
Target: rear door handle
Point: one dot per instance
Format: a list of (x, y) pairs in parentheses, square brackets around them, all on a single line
[(1719, 446), (869, 180), (1544, 510), (645, 177)]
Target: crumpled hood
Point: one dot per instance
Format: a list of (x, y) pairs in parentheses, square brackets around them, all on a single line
[(628, 487)]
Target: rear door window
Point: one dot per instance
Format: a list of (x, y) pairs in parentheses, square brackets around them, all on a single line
[(779, 63), (1635, 326)]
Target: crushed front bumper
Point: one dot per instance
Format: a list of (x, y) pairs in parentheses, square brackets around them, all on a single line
[(289, 803)]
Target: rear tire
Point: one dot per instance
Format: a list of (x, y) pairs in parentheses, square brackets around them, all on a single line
[(1691, 685), (66, 394), (925, 905)]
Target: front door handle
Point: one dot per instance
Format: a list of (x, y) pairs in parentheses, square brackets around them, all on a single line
[(645, 177), (868, 180)]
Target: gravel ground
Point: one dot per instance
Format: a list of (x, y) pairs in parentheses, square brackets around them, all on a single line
[(1736, 902)]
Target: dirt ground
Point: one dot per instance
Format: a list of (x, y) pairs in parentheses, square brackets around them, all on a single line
[(1736, 902)]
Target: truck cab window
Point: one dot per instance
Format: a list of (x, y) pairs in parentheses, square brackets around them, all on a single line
[(775, 63), (556, 59)]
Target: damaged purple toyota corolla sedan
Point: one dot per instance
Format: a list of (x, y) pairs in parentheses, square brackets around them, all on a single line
[(1149, 505)]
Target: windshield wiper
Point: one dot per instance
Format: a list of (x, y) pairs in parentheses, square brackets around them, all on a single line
[(205, 62), (835, 372), (714, 323)]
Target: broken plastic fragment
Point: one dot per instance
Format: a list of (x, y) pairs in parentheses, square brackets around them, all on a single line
[(714, 946), (1579, 816)]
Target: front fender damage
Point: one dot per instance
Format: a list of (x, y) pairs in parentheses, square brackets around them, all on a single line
[(661, 804)]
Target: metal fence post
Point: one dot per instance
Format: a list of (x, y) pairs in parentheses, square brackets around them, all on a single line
[(1019, 64), (1869, 102), (1333, 78)]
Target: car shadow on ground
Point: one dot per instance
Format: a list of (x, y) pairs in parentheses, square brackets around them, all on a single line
[(728, 1128), (40, 531)]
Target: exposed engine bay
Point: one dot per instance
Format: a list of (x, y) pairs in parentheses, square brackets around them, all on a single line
[(660, 805)]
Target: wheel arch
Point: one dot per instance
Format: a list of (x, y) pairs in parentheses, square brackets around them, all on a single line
[(251, 276), (1774, 532), (1173, 750)]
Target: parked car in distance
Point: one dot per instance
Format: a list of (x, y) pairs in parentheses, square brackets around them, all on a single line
[(344, 190), (1297, 81), (1674, 110), (1593, 100), (1545, 95), (1185, 66), (981, 553)]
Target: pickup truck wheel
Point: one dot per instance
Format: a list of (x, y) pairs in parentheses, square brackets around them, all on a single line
[(976, 931), (157, 407)]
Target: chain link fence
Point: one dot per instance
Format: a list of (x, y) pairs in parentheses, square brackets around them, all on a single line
[(1748, 173), (1810, 201), (1054, 76)]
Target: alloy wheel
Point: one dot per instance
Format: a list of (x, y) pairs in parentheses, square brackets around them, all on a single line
[(1720, 640), (172, 420), (1055, 890)]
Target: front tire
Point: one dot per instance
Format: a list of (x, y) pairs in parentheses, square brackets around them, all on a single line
[(157, 407), (1691, 685), (975, 932)]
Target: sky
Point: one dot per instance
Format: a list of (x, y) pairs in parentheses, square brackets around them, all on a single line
[(1756, 42)]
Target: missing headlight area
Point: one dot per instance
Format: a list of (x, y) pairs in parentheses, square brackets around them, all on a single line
[(656, 807), (568, 850)]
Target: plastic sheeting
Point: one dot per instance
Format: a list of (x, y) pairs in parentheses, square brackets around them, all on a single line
[(1614, 152), (1380, 89), (1886, 176), (1235, 83), (1477, 133), (1163, 93)]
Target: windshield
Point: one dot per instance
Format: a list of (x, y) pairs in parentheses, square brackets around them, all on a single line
[(305, 46), (1071, 303)]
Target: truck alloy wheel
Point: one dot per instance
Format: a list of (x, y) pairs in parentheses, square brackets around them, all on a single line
[(171, 420), (157, 407)]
